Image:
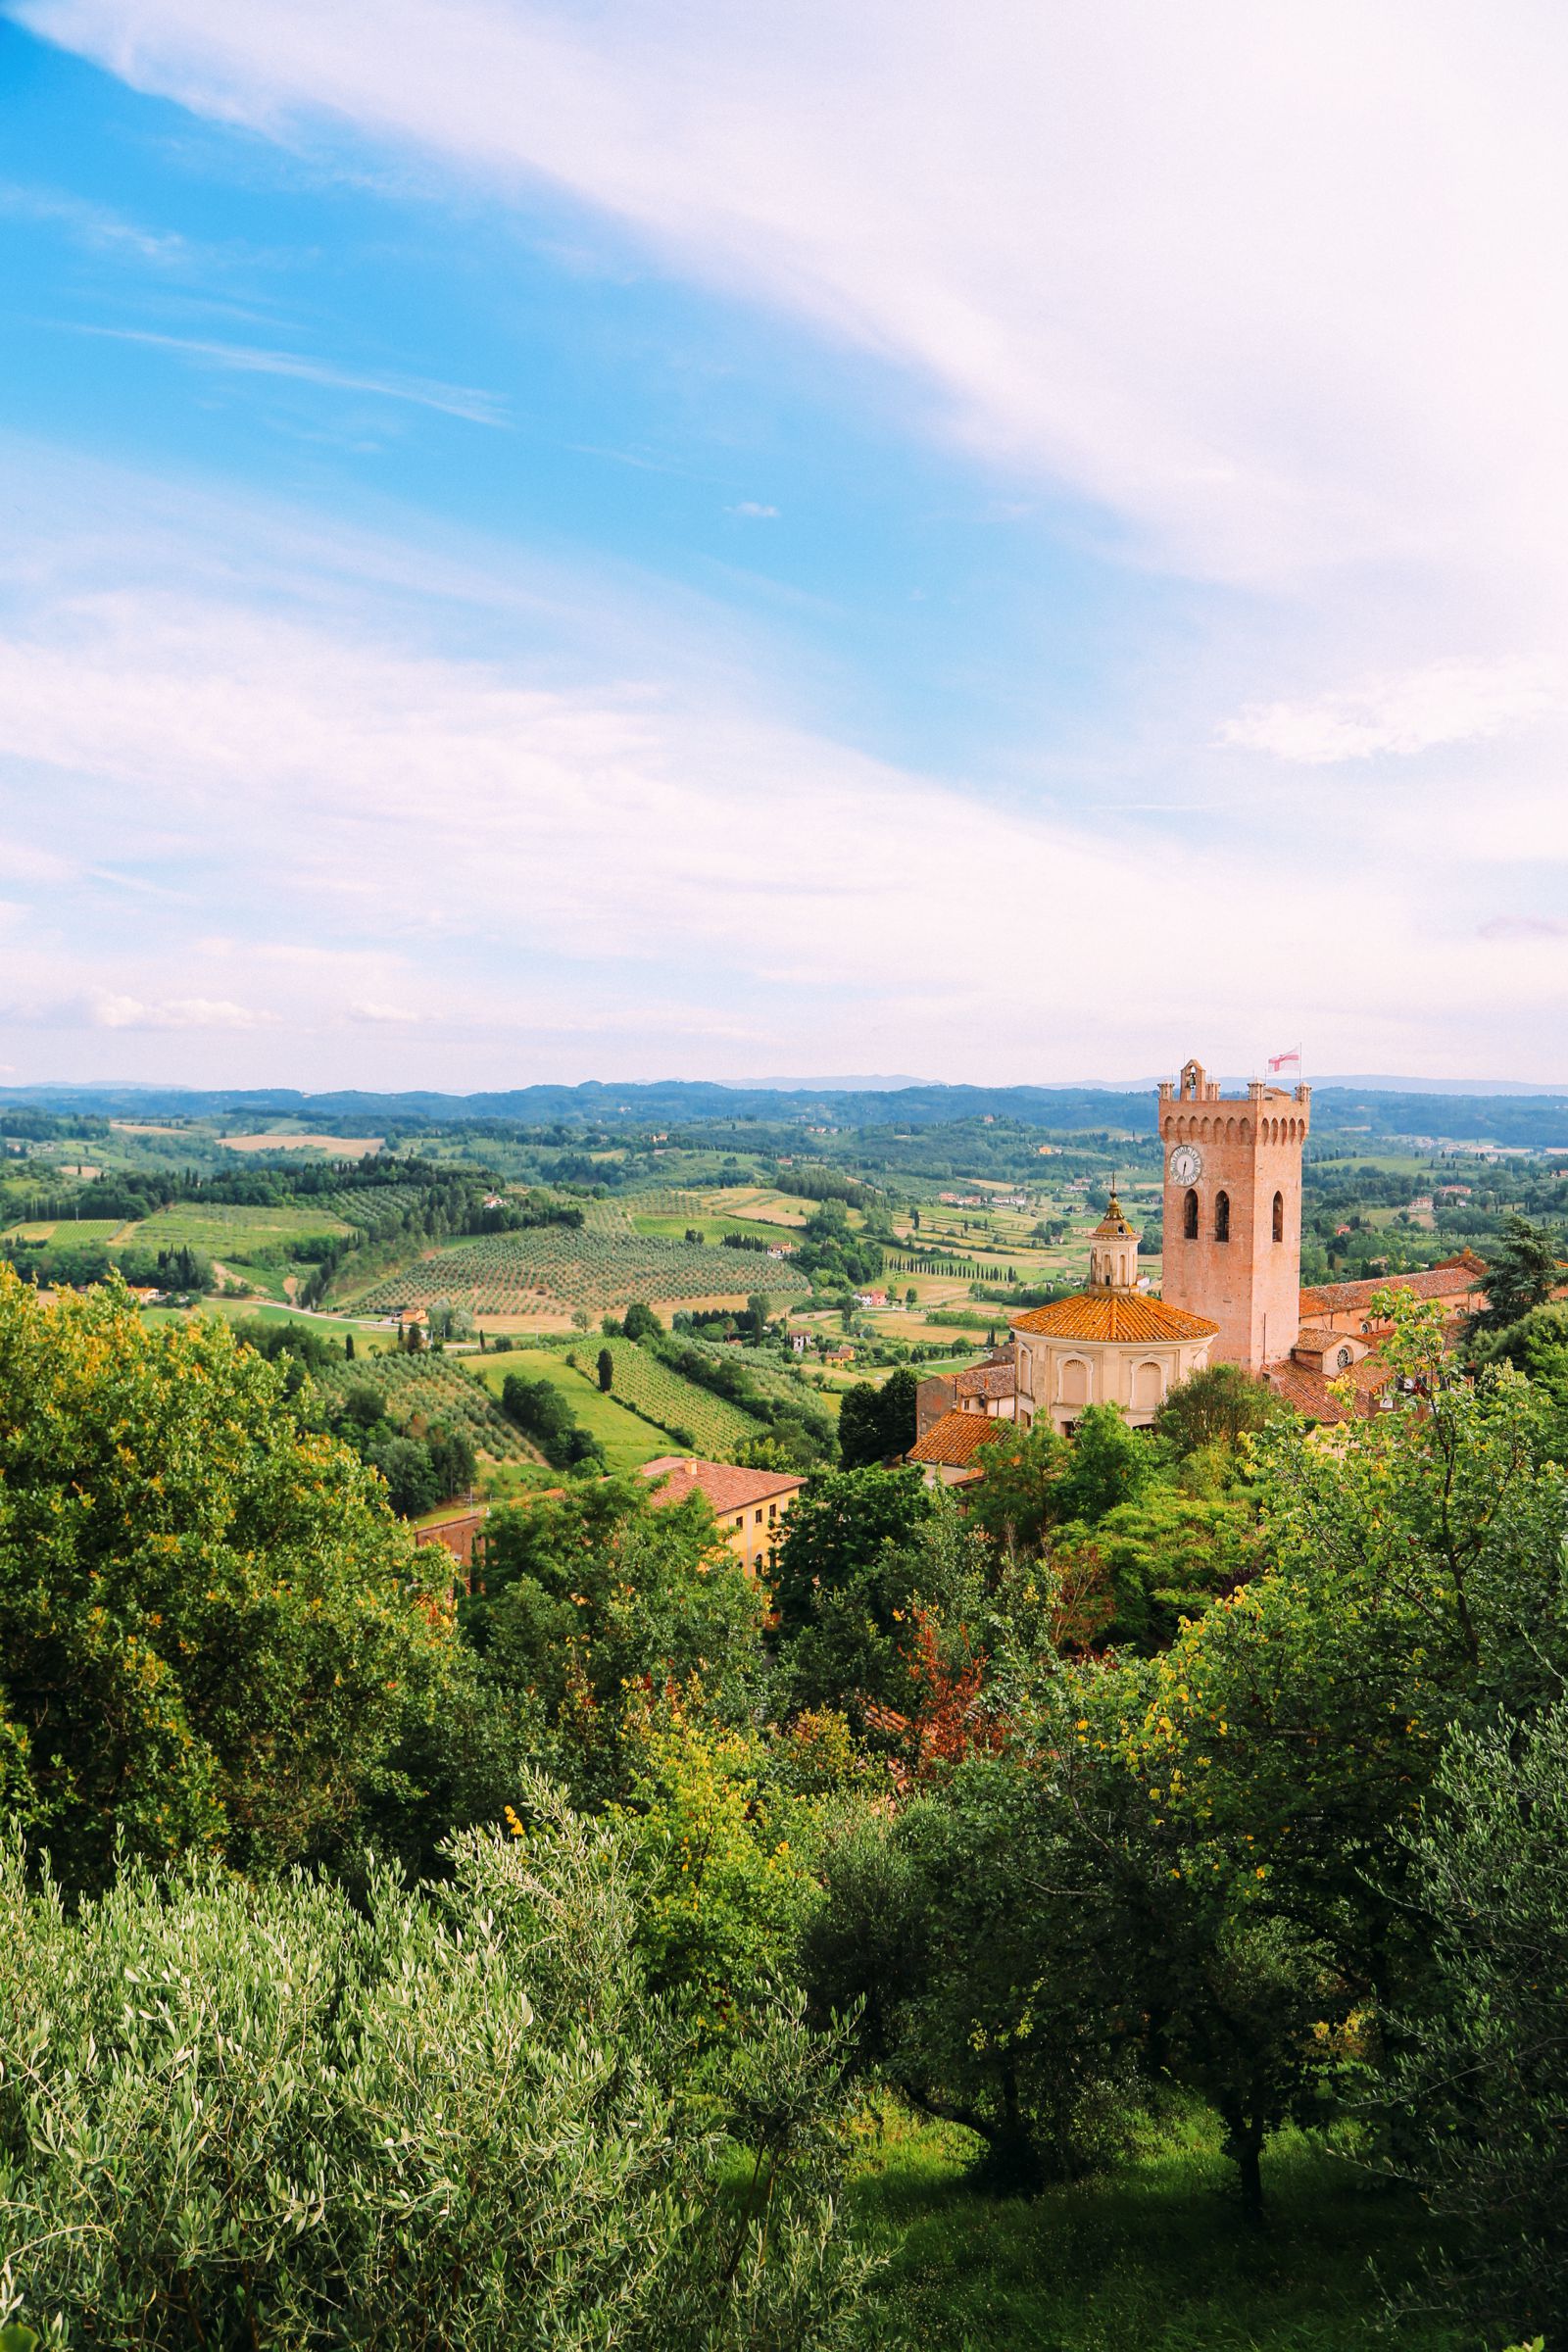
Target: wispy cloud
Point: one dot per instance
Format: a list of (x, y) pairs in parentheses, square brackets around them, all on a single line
[(1506, 928), (1254, 283), (510, 849), (175, 1012), (243, 358), (94, 226), (754, 512), (1446, 704)]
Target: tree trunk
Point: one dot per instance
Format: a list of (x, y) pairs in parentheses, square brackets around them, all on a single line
[(1243, 2146)]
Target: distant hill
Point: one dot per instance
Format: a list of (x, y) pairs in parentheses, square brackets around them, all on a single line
[(1348, 1111)]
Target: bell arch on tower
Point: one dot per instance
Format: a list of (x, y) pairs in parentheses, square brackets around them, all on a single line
[(1232, 1209)]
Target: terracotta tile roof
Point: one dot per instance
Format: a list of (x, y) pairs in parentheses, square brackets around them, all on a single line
[(987, 1380), (956, 1438), (1115, 1315), (1308, 1390), (675, 1476), (1451, 1280)]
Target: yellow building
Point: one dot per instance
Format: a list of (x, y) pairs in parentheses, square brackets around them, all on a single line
[(750, 1505)]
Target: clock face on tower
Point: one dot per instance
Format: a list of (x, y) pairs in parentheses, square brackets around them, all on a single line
[(1186, 1164)]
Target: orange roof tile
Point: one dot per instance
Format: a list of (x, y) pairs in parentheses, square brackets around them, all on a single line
[(675, 1476), (1308, 1390), (1107, 1314), (987, 1380), (1455, 1277), (956, 1438)]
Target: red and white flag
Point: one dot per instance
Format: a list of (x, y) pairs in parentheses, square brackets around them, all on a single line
[(1280, 1062)]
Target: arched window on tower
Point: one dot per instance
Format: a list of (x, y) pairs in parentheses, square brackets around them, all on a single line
[(1279, 1216), (1190, 1218), (1222, 1216)]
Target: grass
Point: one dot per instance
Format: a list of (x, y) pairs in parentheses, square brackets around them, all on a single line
[(1151, 2258), (224, 1231), (626, 1441), (713, 1424), (68, 1231)]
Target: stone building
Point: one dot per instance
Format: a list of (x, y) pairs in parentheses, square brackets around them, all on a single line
[(1110, 1344)]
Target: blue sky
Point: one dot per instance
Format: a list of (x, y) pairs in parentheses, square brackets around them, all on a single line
[(592, 540)]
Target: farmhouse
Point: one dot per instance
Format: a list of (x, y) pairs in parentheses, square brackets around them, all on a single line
[(751, 1506)]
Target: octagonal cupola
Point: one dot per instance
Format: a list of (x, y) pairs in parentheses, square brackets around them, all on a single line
[(1114, 1251)]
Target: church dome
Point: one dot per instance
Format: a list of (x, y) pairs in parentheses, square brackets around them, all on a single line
[(1114, 1314)]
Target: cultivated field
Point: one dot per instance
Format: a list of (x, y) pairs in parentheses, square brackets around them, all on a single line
[(335, 1146), (433, 1388), (711, 1422), (371, 1206), (767, 1206), (223, 1230), (69, 1229), (626, 1441), (556, 1269)]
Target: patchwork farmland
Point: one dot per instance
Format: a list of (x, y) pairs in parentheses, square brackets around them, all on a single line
[(556, 1269), (695, 1416), (225, 1231), (435, 1387)]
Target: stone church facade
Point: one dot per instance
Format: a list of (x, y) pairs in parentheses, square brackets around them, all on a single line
[(1232, 1287)]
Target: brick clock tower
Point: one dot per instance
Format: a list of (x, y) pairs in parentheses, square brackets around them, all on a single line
[(1233, 1212)]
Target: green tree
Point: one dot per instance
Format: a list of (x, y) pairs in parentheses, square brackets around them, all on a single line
[(1108, 1464), (212, 1629), (1167, 1556), (588, 1603), (1216, 1406), (861, 1427), (606, 1371), (1479, 2088), (982, 1998), (1415, 1584), (839, 1527), (723, 1884), (640, 1322), (1522, 1272), (898, 1410), (1013, 1502), (866, 1636), (449, 2116), (544, 1414)]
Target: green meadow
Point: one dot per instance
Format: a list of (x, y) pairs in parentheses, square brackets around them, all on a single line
[(626, 1441), (1151, 2258)]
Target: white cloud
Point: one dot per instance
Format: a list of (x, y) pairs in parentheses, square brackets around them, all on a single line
[(753, 510), (111, 1012), (1446, 704), (94, 226), (241, 359), (363, 857), (1280, 287), (384, 1016)]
